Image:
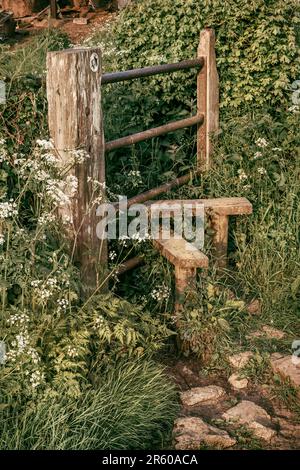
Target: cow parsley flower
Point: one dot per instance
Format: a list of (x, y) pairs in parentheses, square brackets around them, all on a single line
[(161, 293), (36, 378), (261, 142), (45, 144), (262, 171), (257, 155), (242, 175), (46, 218), (8, 209)]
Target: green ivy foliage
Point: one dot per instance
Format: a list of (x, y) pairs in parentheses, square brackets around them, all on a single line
[(256, 46)]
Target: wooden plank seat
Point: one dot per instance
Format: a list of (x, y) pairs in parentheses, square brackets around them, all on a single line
[(222, 205), (181, 253), (220, 209)]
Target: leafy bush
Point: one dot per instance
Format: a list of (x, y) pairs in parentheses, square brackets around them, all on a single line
[(23, 118), (132, 407), (256, 46)]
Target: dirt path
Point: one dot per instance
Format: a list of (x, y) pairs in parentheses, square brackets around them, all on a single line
[(77, 33)]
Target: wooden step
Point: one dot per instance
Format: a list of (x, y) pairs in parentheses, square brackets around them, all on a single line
[(222, 206), (181, 253)]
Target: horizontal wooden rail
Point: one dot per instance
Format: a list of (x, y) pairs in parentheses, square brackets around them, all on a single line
[(130, 264), (149, 71), (164, 188), (155, 132)]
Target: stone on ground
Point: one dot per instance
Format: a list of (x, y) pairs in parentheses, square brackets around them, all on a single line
[(254, 307), (273, 333), (238, 382), (284, 366), (252, 416), (238, 361), (190, 432), (202, 395), (267, 331)]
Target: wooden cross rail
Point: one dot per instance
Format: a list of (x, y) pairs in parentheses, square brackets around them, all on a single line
[(155, 132), (150, 71)]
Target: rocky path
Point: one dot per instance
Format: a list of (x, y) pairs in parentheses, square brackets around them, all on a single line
[(221, 412)]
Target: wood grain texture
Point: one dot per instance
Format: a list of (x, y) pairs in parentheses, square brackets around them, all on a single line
[(75, 122), (220, 239), (221, 206), (207, 98), (181, 253), (185, 283)]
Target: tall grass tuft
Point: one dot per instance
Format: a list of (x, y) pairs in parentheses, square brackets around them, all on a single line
[(132, 407)]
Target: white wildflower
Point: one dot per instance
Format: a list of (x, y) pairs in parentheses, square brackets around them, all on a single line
[(242, 175), (124, 240), (41, 175), (2, 239), (261, 142), (135, 178), (45, 144), (62, 304), (50, 159), (33, 355), (8, 209), (99, 321), (71, 185), (18, 319), (294, 109), (51, 282), (72, 352), (36, 378), (46, 218), (67, 219), (56, 191), (161, 293), (22, 341), (112, 255), (257, 155), (261, 171), (139, 237), (79, 155)]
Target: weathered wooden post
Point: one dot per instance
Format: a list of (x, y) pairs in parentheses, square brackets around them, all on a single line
[(75, 123), (220, 239), (207, 98), (53, 8)]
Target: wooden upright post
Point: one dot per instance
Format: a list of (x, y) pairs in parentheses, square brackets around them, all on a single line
[(220, 239), (75, 123), (53, 8), (208, 98)]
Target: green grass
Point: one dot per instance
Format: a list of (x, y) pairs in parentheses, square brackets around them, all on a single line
[(132, 407)]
